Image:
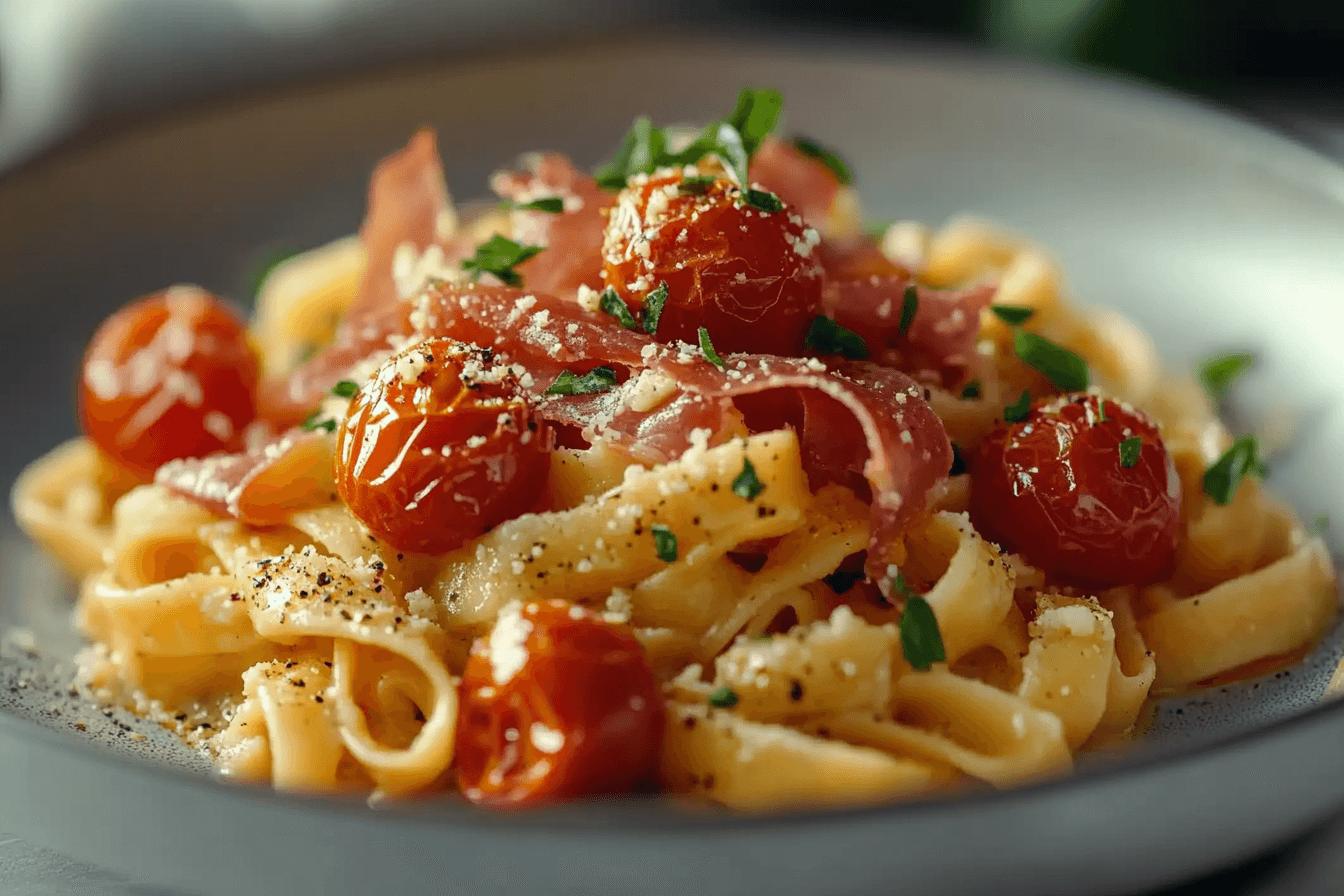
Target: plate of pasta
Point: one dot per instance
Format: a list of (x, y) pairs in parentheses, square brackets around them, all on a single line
[(672, 498)]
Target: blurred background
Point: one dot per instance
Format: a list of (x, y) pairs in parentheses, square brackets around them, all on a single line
[(66, 64)]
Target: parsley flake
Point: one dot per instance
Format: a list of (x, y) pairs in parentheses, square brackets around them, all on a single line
[(1063, 368), (755, 116), (823, 155), (1101, 411), (724, 698), (1218, 374), (971, 390), (877, 229), (707, 348), (1238, 462), (909, 308), (499, 256), (615, 306), (1012, 315), (763, 200), (664, 543), (345, 389), (921, 641), (1018, 410), (551, 204), (1321, 524), (652, 312), (599, 379), (1129, 451), (746, 485), (316, 422), (827, 337)]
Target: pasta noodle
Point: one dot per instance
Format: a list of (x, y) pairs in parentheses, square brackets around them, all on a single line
[(763, 575)]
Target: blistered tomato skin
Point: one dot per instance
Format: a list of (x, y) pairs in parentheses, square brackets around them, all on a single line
[(750, 277), (169, 376), (438, 447), (556, 703), (1052, 487)]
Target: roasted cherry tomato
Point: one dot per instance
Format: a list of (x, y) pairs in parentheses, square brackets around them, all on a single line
[(1071, 491), (556, 703), (169, 376), (750, 277), (439, 446)]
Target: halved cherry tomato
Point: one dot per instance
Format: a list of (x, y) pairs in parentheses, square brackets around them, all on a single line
[(750, 277), (169, 376), (1055, 487), (440, 446), (556, 703)]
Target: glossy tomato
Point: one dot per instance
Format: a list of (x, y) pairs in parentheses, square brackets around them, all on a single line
[(1084, 489), (750, 276), (440, 446), (556, 703), (169, 376)]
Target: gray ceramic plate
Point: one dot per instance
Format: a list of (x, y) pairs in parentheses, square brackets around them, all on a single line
[(1209, 231)]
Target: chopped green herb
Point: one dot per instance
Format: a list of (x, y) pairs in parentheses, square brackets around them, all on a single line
[(746, 485), (552, 204), (599, 379), (971, 390), (1101, 411), (756, 115), (707, 348), (1321, 523), (958, 462), (1062, 367), (696, 186), (316, 422), (1218, 374), (877, 229), (1129, 451), (921, 642), (763, 200), (1013, 315), (616, 307), (723, 698), (826, 157), (652, 311), (499, 256), (345, 389), (1018, 410), (829, 338), (1238, 462), (724, 141), (642, 149), (664, 543), (909, 308)]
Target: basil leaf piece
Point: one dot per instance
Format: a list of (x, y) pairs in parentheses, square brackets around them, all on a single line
[(876, 230), (755, 116), (599, 379), (315, 422), (615, 306), (345, 389), (551, 204), (696, 186), (664, 542), (1129, 451), (1241, 460), (1218, 374), (652, 312), (707, 348), (921, 641), (829, 338), (971, 390), (499, 256), (909, 308), (723, 698), (815, 150), (1012, 315), (763, 200), (1101, 411), (1018, 410), (1063, 368), (745, 484)]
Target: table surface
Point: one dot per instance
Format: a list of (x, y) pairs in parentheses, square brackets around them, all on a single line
[(1311, 865)]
